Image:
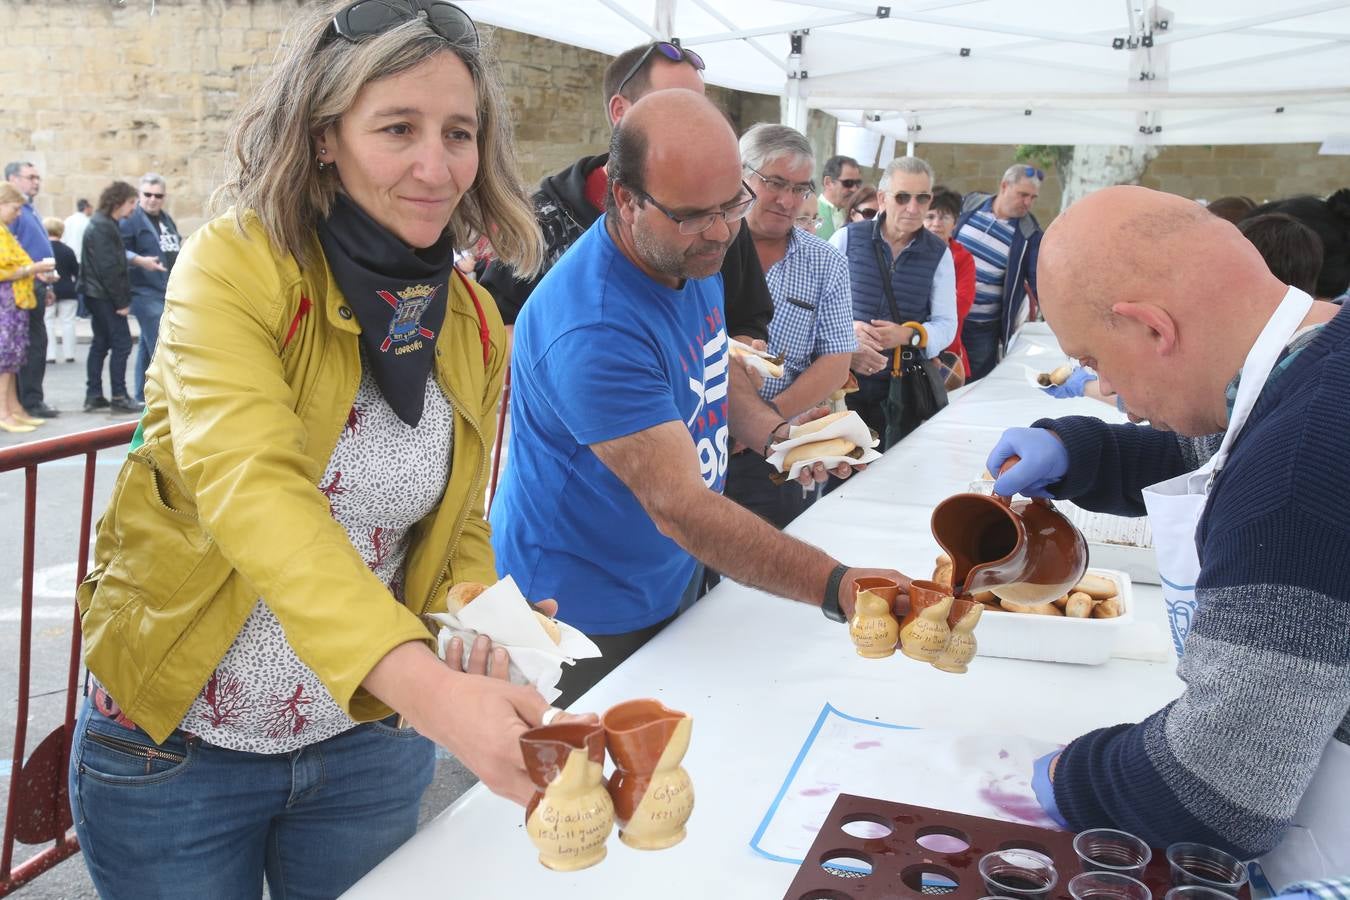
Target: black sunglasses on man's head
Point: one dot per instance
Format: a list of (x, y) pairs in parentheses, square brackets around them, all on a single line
[(367, 18), (671, 51)]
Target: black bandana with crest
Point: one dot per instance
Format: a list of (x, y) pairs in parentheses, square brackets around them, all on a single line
[(398, 295)]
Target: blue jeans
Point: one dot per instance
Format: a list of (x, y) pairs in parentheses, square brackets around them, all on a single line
[(185, 818), (983, 342), (147, 311)]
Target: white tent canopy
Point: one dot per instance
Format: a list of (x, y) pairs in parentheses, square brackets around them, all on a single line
[(998, 71)]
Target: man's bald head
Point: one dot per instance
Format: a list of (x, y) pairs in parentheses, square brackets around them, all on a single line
[(671, 128), (1161, 297), (675, 147)]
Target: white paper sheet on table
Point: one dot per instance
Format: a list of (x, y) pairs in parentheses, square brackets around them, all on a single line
[(977, 774)]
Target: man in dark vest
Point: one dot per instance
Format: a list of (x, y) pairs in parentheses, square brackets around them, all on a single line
[(922, 278)]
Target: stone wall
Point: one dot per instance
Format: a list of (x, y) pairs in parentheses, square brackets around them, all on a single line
[(97, 91), (1260, 171)]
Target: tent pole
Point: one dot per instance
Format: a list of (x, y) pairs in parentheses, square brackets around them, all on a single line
[(909, 148)]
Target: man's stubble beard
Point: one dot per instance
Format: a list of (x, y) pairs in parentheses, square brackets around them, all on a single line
[(681, 264)]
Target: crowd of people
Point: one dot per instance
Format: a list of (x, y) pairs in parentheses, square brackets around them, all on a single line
[(104, 263), (320, 377)]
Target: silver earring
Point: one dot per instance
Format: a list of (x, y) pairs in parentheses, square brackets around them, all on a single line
[(323, 166)]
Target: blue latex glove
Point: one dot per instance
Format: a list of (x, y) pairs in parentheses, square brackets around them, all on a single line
[(1045, 788), (1045, 460), (1075, 385)]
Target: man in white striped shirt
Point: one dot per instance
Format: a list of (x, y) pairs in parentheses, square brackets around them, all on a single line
[(1004, 237)]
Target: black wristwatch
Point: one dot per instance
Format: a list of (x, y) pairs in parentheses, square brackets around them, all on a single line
[(830, 605)]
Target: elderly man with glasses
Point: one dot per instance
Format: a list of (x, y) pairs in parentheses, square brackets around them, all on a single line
[(1005, 239), (149, 232), (841, 180), (627, 401), (899, 272), (812, 325)]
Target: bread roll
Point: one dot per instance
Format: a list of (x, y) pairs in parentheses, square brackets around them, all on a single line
[(818, 449), (768, 367), (1079, 605), (1042, 609), (1107, 609), (462, 594), (1098, 587), (815, 425), (549, 626)]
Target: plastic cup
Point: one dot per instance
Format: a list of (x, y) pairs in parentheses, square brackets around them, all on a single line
[(1020, 874), (1110, 850), (1196, 892), (1107, 886), (1204, 866)]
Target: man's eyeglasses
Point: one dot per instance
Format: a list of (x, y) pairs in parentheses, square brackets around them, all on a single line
[(149, 195), (671, 51), (851, 183), (701, 222), (904, 197), (801, 189), (367, 18), (810, 223), (866, 212)]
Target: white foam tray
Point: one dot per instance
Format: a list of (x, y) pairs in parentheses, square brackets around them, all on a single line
[(1057, 638)]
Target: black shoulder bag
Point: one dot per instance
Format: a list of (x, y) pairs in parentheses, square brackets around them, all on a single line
[(917, 388)]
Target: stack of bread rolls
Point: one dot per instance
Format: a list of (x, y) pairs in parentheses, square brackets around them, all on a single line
[(1094, 597)]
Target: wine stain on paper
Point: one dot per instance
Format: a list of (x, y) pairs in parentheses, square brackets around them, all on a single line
[(866, 745), (820, 790), (1012, 796)]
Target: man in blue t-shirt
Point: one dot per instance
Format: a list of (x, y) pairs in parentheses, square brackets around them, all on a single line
[(623, 401)]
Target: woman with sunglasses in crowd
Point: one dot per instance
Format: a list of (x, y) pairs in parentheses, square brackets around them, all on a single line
[(864, 206), (308, 481)]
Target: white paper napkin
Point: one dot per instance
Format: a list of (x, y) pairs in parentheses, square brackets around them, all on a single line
[(850, 428), (503, 614), (756, 359)]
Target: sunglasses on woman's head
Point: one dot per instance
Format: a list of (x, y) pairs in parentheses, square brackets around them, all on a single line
[(367, 18), (671, 51), (866, 212)]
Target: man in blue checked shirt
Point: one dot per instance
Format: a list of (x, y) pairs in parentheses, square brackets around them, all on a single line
[(812, 325)]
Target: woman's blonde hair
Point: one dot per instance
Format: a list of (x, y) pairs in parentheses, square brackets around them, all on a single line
[(55, 227), (313, 81), (10, 194)]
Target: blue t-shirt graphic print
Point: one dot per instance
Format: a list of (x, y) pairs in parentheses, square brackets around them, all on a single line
[(602, 351)]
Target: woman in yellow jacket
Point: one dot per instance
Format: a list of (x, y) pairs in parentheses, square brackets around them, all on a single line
[(308, 481)]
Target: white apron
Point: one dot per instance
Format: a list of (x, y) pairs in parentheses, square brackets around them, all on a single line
[(1317, 845)]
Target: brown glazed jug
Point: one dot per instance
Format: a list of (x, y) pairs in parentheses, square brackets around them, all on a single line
[(875, 631), (1025, 551), (653, 796), (570, 816), (961, 645), (924, 631)]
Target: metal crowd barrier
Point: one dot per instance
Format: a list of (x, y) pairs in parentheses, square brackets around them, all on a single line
[(39, 806)]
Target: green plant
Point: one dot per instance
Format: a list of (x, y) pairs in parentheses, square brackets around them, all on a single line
[(1047, 156)]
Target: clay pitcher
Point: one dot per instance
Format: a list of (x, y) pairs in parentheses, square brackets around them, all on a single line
[(652, 793), (1024, 550), (924, 632), (571, 815), (961, 646), (873, 628)]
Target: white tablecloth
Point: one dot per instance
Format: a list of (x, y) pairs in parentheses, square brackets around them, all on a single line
[(755, 670)]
